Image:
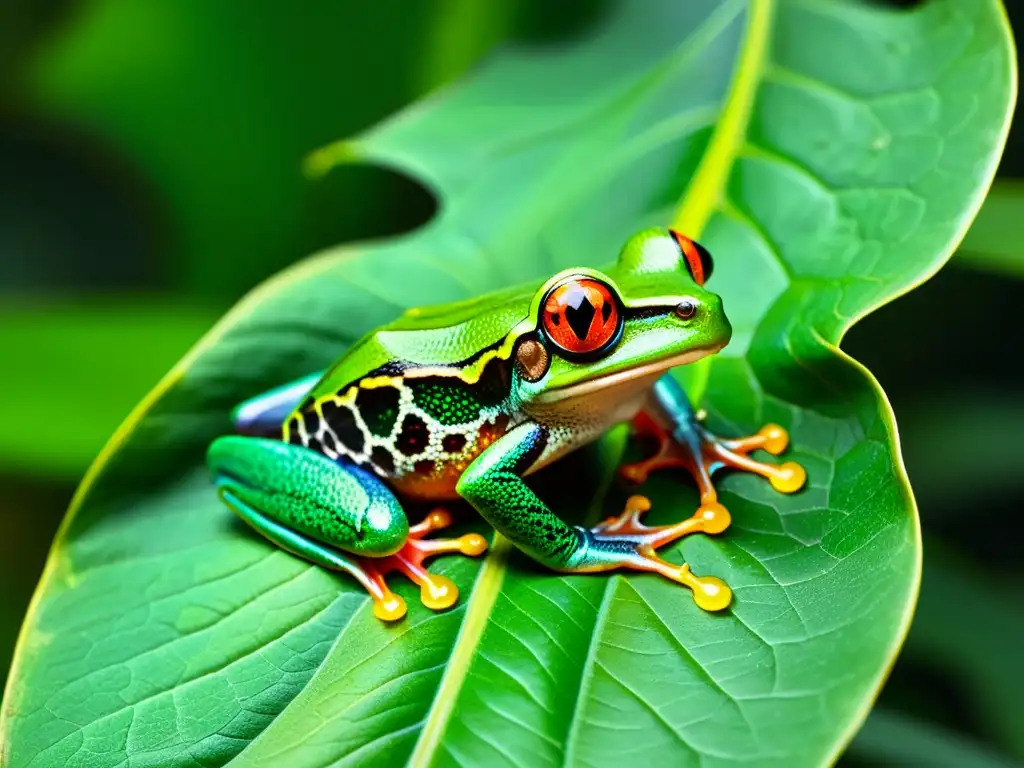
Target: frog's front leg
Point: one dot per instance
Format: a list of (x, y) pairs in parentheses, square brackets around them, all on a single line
[(326, 512), (493, 485), (684, 442)]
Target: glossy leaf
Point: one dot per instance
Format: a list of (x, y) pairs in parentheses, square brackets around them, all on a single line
[(830, 153)]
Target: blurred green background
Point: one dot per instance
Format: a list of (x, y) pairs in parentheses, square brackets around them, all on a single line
[(150, 174)]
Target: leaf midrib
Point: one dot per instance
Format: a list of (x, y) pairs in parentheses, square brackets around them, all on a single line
[(589, 665), (478, 608), (704, 193)]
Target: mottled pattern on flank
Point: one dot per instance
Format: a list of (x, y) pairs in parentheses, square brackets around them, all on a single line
[(379, 408), (419, 433), (450, 400)]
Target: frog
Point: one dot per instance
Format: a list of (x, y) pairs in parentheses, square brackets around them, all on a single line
[(466, 400)]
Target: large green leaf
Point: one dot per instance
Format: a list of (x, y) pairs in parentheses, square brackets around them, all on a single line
[(829, 153)]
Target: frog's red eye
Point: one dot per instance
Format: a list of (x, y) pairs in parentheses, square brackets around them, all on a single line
[(698, 260), (581, 316)]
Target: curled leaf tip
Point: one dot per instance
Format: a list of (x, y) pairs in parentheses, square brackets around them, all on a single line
[(319, 162)]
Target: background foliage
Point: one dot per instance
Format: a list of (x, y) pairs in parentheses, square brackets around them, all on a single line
[(123, 236)]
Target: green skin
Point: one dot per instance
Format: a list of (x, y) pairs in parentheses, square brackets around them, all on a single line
[(440, 404)]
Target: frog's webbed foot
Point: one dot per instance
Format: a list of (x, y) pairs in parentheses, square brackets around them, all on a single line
[(625, 542), (701, 453), (436, 592)]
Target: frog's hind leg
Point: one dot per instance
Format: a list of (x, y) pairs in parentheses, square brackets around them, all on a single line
[(684, 442), (335, 515), (264, 414), (386, 604)]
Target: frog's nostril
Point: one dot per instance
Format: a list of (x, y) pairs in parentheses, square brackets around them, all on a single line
[(686, 309)]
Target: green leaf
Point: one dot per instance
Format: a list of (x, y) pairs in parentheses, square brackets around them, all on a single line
[(830, 153), (84, 364), (994, 239)]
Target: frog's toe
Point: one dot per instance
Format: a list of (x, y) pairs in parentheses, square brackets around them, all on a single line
[(775, 438), (624, 542), (387, 606), (702, 454), (710, 518), (389, 609), (471, 544), (436, 592), (789, 477), (709, 593)]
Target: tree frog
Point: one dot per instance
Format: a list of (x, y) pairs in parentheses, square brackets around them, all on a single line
[(465, 400)]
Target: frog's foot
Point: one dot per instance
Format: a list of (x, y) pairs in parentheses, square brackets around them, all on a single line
[(701, 453), (625, 542), (436, 592)]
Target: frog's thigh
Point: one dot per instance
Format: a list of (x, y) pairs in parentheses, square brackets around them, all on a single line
[(264, 414), (302, 500)]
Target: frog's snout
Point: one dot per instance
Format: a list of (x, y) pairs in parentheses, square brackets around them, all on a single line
[(721, 327), (705, 316)]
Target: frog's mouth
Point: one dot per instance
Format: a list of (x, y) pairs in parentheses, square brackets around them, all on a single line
[(638, 376)]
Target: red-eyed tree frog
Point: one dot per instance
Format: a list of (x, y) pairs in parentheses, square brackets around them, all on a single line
[(464, 400)]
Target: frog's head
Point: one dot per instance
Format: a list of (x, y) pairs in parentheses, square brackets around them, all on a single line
[(599, 330)]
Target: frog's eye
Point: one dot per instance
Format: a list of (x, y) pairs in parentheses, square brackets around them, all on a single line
[(581, 316), (698, 260)]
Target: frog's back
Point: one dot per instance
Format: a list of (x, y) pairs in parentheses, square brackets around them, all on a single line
[(418, 399)]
